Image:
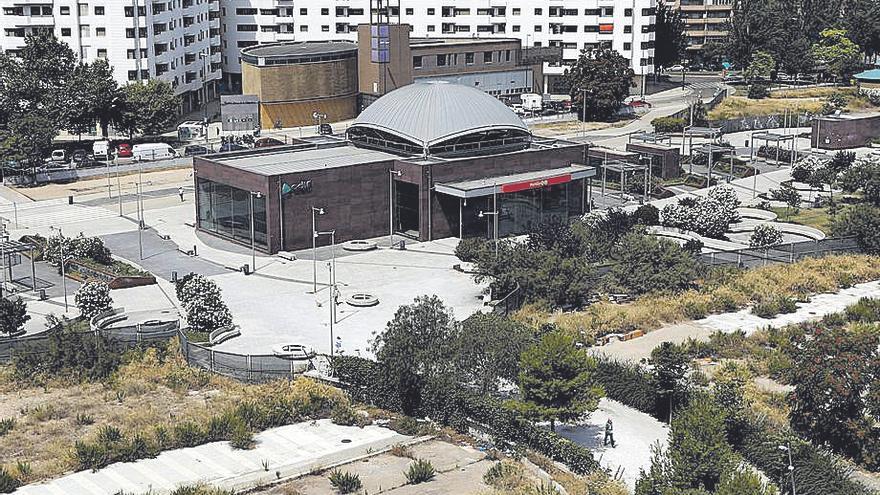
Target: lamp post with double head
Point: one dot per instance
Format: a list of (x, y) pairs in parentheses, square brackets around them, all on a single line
[(258, 195), (63, 264), (494, 215), (315, 211)]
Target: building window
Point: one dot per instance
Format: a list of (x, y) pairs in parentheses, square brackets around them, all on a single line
[(538, 11), (431, 11), (132, 75), (246, 28), (537, 28), (325, 11), (515, 28), (99, 10), (303, 11), (304, 29), (417, 62), (431, 29), (627, 29), (66, 11), (441, 60), (226, 211), (65, 31), (84, 31), (469, 58), (409, 12), (102, 53), (325, 29), (245, 11), (627, 12), (487, 57), (100, 32), (516, 11), (627, 46), (83, 9)]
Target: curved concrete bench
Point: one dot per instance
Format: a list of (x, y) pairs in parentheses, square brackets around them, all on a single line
[(359, 246), (223, 334), (362, 300), (784, 227), (708, 242), (757, 214)]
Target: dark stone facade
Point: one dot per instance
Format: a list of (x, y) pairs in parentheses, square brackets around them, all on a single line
[(830, 133)]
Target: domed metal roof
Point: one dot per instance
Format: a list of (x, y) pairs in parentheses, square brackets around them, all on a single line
[(434, 112)]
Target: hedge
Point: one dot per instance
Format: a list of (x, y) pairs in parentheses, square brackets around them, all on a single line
[(668, 124), (459, 407)]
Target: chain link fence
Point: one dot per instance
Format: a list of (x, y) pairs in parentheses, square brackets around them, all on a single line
[(781, 253)]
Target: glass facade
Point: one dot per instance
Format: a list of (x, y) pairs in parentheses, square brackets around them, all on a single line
[(226, 211), (522, 212)]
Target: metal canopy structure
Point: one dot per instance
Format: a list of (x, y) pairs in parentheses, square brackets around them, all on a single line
[(492, 185), (778, 140), (650, 137), (713, 134), (10, 255), (622, 167), (712, 149)]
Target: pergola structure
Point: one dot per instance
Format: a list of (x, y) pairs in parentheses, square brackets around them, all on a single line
[(713, 134), (622, 168), (778, 139), (712, 150), (650, 137), (10, 255)]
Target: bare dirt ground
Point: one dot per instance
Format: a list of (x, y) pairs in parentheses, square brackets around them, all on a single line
[(94, 188)]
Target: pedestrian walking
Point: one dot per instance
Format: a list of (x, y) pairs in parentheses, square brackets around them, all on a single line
[(180, 193), (609, 433)]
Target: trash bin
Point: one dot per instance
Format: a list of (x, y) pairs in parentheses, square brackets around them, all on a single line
[(174, 276), (42, 294), (246, 269), (70, 200)]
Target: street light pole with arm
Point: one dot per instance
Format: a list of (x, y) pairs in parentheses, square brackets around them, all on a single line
[(315, 211), (63, 264)]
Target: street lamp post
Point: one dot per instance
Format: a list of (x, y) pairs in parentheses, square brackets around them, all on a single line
[(204, 57), (258, 195), (63, 265), (391, 174), (787, 448), (332, 306), (315, 211), (332, 234), (494, 214)]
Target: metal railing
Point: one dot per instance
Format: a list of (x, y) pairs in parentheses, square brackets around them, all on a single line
[(781, 253)]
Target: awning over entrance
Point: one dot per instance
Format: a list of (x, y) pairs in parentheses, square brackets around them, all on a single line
[(516, 182)]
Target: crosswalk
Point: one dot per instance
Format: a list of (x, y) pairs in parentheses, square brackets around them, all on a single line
[(40, 214)]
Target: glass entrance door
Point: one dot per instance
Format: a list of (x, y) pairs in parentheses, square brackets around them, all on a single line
[(406, 209)]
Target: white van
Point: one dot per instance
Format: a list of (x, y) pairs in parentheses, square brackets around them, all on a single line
[(101, 150), (152, 151), (532, 102)]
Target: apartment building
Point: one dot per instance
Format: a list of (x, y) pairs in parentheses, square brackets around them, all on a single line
[(705, 21), (174, 40), (624, 25)]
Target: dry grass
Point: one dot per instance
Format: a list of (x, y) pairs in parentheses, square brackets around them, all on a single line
[(799, 100), (798, 281), (557, 128), (595, 483), (140, 396), (823, 92)]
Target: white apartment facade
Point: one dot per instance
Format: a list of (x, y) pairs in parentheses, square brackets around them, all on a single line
[(174, 40), (626, 26)]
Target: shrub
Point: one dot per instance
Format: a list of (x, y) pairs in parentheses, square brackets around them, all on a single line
[(833, 103), (8, 482), (92, 298), (708, 216), (472, 249), (765, 235), (188, 434), (668, 124), (241, 437), (866, 310), (504, 476), (772, 306), (13, 315), (83, 419), (90, 455), (343, 415), (862, 222), (802, 170), (420, 471), (759, 91), (646, 215), (6, 425), (345, 482)]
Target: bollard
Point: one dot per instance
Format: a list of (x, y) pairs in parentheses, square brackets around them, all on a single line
[(42, 294), (246, 269), (70, 200), (195, 252), (174, 276)]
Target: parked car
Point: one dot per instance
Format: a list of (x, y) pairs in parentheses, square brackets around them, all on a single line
[(78, 156), (639, 104), (59, 156), (101, 150), (123, 150), (227, 147), (195, 150), (266, 142), (152, 151), (325, 129)]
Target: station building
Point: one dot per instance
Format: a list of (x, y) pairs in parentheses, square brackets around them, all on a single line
[(426, 161)]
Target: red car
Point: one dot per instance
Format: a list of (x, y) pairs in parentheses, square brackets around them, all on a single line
[(124, 150), (639, 104)]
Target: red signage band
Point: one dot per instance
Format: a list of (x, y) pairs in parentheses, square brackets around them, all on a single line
[(535, 184)]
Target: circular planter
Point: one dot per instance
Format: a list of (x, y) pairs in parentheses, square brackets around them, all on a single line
[(362, 300), (294, 352), (359, 246)]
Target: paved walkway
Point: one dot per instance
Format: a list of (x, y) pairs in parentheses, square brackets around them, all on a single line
[(286, 451)]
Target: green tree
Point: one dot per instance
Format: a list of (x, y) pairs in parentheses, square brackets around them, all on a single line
[(98, 98), (837, 369), (645, 263), (149, 108), (670, 41), (417, 347), (752, 27), (698, 450), (13, 315), (744, 481), (605, 76), (839, 53), (861, 19), (92, 298), (761, 67), (862, 222), (670, 366), (556, 380), (488, 349), (789, 195), (27, 139)]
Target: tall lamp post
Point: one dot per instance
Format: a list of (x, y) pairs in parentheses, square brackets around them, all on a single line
[(494, 214), (332, 306), (205, 56), (787, 448), (258, 195), (332, 234), (391, 174), (315, 211), (63, 264)]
